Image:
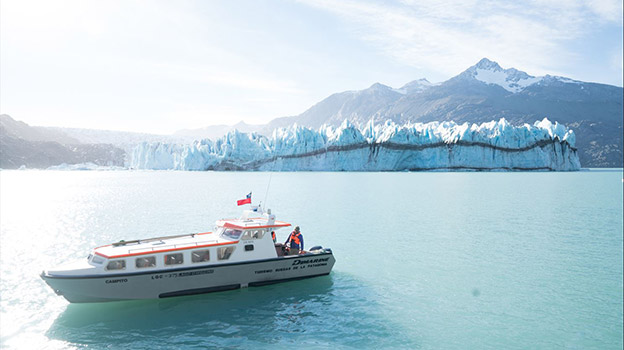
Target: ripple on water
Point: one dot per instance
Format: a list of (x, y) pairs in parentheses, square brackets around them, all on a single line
[(424, 260)]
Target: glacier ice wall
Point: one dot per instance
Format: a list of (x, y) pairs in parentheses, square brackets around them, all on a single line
[(496, 145)]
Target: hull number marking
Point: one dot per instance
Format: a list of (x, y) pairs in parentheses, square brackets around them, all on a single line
[(182, 274)]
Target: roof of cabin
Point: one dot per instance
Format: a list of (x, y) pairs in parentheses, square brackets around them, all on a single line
[(162, 244), (182, 242), (251, 223)]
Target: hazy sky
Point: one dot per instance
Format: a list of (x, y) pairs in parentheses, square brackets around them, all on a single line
[(160, 66)]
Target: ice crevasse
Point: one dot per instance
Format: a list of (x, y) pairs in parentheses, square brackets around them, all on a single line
[(496, 145)]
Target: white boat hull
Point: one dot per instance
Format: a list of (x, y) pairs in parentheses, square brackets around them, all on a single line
[(173, 282)]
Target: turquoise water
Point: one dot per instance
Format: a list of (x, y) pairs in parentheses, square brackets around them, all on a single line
[(424, 260)]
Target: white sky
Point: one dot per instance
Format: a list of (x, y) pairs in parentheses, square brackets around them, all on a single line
[(161, 66)]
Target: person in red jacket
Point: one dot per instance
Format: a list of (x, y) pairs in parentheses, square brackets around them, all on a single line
[(296, 241)]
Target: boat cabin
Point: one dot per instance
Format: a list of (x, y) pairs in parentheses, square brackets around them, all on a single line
[(234, 240)]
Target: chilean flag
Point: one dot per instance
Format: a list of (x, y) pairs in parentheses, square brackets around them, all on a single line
[(247, 200)]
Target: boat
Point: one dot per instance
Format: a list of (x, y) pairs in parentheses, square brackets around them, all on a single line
[(239, 253)]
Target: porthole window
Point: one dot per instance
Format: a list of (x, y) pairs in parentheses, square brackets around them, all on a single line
[(116, 265), (145, 261), (173, 259), (200, 256), (224, 253)]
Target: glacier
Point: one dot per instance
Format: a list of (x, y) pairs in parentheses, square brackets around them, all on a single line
[(495, 145)]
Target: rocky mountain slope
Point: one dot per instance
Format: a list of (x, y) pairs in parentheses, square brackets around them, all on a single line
[(37, 147)]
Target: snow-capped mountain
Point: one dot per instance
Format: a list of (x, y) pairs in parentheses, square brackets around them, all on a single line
[(511, 79), (496, 145), (415, 86), (481, 93), (491, 73)]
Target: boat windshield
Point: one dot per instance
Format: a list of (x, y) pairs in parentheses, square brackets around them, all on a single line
[(230, 233), (96, 259)]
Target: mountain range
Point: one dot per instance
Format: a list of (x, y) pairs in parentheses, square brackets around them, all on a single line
[(41, 147), (481, 93)]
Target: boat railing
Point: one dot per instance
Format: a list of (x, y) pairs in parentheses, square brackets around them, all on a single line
[(171, 246), (139, 241)]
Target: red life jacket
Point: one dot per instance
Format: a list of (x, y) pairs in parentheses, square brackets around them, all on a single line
[(273, 235), (295, 238)]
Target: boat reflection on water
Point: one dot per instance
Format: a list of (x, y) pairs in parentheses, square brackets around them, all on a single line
[(335, 308), (199, 316)]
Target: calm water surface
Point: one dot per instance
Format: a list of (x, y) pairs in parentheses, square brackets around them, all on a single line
[(424, 260)]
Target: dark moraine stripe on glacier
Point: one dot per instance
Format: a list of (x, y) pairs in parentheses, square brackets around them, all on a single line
[(476, 168), (405, 147)]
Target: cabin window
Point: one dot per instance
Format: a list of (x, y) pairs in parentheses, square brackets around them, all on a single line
[(231, 233), (200, 255), (249, 247), (173, 259), (97, 259), (224, 253), (146, 261), (116, 265), (253, 234)]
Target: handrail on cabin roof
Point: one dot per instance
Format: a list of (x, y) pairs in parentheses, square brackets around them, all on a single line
[(165, 247), (139, 241)]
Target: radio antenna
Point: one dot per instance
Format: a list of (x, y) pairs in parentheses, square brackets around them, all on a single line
[(269, 184), (267, 191)]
